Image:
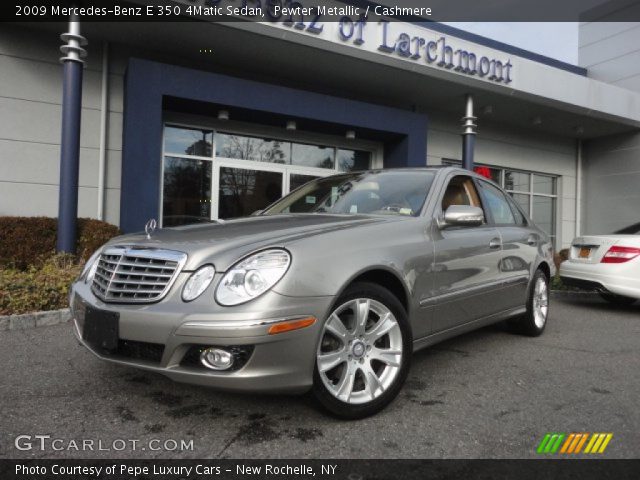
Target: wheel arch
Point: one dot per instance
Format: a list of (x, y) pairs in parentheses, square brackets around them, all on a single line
[(546, 269), (384, 277)]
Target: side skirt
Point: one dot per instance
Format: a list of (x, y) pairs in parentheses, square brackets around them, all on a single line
[(429, 340)]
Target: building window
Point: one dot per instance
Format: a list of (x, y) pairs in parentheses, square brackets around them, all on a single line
[(187, 191), (243, 191), (188, 141), (242, 147), (314, 156), (535, 193), (209, 174), (353, 160)]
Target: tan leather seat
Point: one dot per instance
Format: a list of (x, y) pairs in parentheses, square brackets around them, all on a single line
[(454, 195)]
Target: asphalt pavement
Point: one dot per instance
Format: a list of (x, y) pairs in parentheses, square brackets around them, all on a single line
[(487, 394)]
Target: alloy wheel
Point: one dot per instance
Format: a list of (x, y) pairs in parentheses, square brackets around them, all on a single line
[(360, 352), (540, 302)]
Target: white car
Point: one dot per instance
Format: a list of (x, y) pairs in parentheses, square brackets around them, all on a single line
[(609, 264)]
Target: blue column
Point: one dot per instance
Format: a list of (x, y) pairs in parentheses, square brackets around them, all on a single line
[(468, 134), (70, 139), (468, 145)]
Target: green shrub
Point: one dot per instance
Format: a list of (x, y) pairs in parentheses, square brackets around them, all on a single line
[(42, 287), (32, 276), (92, 234), (556, 283), (30, 241)]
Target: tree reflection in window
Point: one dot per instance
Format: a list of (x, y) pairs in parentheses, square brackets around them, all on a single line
[(253, 148), (316, 156), (188, 141), (353, 160), (243, 191), (187, 191)]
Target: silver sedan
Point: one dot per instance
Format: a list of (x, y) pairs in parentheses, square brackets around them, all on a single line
[(330, 289)]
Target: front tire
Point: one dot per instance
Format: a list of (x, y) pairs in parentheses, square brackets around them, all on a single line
[(364, 352), (618, 300), (533, 322)]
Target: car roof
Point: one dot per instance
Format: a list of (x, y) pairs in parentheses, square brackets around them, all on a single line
[(435, 168)]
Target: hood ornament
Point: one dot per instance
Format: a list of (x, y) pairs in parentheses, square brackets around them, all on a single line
[(150, 227)]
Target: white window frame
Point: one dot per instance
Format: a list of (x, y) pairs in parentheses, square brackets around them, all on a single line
[(241, 128), (531, 194)]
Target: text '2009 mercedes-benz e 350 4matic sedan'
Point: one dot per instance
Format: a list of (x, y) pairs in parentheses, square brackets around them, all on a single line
[(330, 289)]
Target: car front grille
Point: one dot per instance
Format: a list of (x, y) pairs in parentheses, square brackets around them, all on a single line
[(136, 275)]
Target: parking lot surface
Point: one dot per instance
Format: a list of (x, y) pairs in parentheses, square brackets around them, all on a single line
[(487, 394)]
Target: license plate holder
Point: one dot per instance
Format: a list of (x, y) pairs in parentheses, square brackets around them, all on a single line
[(101, 328), (584, 252)]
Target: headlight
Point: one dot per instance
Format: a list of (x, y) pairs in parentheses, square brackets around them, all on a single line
[(89, 269), (252, 276), (198, 283)]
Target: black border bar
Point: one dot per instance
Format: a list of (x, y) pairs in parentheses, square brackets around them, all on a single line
[(392, 10), (583, 469)]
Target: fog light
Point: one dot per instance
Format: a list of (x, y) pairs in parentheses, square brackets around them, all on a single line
[(216, 359)]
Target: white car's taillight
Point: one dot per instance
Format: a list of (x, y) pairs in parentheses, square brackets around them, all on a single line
[(620, 254)]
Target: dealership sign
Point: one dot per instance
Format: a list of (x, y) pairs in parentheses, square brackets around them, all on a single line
[(366, 29), (440, 53)]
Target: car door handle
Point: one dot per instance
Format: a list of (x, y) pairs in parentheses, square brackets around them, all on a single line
[(495, 243), (532, 240)]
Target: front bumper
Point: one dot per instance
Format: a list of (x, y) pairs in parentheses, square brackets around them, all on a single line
[(621, 279), (168, 329)]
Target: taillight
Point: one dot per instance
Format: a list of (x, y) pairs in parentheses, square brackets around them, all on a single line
[(620, 254)]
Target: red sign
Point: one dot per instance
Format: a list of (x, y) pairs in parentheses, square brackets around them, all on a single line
[(484, 171)]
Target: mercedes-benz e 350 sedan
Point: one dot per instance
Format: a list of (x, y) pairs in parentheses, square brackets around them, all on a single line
[(330, 289)]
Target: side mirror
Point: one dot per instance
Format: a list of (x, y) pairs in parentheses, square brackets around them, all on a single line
[(461, 216)]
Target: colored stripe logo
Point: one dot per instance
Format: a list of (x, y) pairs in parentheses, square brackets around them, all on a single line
[(573, 443)]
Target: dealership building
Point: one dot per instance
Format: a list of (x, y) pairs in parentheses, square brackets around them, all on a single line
[(187, 121)]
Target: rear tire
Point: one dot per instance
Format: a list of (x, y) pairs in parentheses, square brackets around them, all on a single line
[(618, 300), (534, 321), (364, 352)]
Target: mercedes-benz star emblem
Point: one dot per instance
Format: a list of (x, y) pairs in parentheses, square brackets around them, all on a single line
[(150, 227)]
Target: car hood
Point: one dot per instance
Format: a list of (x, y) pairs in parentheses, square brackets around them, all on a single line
[(222, 244)]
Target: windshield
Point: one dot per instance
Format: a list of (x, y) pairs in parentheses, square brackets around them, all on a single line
[(392, 192)]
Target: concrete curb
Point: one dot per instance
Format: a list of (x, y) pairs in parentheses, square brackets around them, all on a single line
[(33, 320)]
